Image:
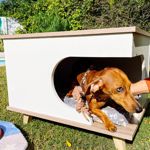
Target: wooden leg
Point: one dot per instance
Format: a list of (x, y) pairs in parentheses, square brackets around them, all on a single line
[(26, 119), (120, 144)]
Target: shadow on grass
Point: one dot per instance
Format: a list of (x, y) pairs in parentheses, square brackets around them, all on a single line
[(75, 128), (147, 113), (30, 146)]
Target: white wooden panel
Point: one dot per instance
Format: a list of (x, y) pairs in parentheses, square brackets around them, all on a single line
[(141, 46)]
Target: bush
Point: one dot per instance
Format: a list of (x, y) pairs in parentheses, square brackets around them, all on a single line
[(119, 13), (47, 15)]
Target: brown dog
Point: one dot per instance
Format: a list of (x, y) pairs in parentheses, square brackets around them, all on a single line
[(100, 86)]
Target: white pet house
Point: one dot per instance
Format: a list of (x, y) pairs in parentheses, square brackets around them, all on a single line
[(40, 68)]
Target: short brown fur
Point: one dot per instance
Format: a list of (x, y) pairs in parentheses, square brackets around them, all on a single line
[(114, 84)]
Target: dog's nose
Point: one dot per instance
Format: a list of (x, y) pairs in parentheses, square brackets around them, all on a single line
[(139, 109)]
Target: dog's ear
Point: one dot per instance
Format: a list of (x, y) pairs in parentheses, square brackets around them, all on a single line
[(80, 77), (96, 85), (90, 83), (82, 82)]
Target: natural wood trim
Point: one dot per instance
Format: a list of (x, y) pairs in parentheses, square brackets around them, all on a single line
[(120, 144), (26, 119), (127, 132), (143, 32), (78, 33)]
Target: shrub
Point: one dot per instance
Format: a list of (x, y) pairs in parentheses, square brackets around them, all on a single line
[(47, 15), (118, 13)]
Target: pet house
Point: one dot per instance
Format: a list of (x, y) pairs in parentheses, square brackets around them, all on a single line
[(41, 67)]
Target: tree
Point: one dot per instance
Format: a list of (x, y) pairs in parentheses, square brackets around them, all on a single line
[(119, 13), (46, 15)]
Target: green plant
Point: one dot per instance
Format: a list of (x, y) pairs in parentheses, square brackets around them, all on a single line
[(47, 15), (119, 13)]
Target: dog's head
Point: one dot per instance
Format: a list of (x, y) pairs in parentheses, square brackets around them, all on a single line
[(114, 83)]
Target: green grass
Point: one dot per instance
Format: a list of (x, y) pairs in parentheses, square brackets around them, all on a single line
[(1, 46), (46, 135)]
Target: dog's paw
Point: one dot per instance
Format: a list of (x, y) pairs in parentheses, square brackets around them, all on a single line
[(111, 127)]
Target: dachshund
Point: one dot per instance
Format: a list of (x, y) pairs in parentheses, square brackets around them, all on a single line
[(101, 86)]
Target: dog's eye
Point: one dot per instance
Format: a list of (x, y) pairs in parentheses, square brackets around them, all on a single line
[(120, 89)]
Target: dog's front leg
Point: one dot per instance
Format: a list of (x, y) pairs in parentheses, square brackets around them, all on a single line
[(95, 109)]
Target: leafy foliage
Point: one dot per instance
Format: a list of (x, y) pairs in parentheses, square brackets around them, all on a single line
[(47, 15), (60, 15), (117, 13)]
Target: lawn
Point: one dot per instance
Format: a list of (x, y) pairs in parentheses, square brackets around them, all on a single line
[(46, 135)]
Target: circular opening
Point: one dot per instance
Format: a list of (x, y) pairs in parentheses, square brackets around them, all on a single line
[(67, 70)]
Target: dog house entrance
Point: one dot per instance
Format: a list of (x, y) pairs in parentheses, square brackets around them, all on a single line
[(68, 69)]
